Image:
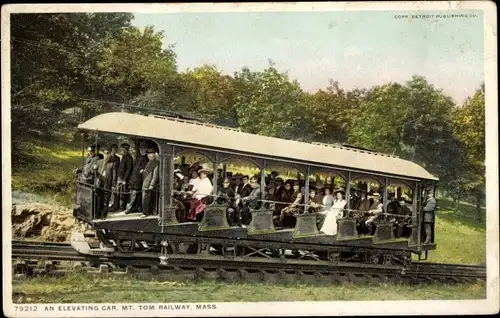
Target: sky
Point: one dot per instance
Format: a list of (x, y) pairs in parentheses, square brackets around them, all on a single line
[(356, 48)]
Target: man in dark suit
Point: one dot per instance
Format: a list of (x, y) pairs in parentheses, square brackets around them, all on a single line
[(115, 197), (250, 201), (124, 173), (136, 180), (87, 171), (150, 178), (226, 196), (246, 188), (106, 176)]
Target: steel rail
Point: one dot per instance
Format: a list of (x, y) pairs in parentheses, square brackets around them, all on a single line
[(197, 266)]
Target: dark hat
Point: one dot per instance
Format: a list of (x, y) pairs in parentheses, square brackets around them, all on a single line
[(278, 179), (151, 150), (144, 144), (125, 145), (114, 146), (295, 182), (245, 176), (237, 176)]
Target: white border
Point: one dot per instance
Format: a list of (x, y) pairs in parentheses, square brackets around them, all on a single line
[(490, 305)]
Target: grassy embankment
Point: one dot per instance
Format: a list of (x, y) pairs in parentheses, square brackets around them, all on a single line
[(46, 170), (460, 239)]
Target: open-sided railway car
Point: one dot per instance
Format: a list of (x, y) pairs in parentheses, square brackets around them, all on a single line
[(167, 233)]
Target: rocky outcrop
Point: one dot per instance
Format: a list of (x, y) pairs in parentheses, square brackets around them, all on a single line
[(43, 221)]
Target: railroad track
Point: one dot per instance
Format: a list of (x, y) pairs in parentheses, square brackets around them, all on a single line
[(32, 257)]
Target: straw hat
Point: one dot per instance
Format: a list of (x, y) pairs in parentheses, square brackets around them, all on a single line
[(205, 168)]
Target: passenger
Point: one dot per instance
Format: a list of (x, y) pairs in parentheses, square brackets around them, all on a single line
[(294, 208), (285, 196), (329, 226), (226, 196), (246, 188), (99, 155), (115, 196), (315, 202), (124, 171), (136, 180), (200, 191), (376, 208), (364, 203), (106, 175), (278, 189), (327, 203), (392, 206), (184, 184), (354, 199), (251, 201), (405, 212), (87, 172), (195, 178), (237, 183), (328, 199), (270, 198), (150, 179), (429, 207)]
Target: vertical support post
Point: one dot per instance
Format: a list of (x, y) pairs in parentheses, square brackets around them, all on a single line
[(216, 174), (385, 194), (168, 176), (348, 193), (416, 213), (306, 190), (263, 181)]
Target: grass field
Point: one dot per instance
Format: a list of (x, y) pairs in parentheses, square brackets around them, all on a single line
[(460, 239), (77, 288), (46, 170)]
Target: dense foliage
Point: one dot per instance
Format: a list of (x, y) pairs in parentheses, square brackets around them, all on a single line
[(88, 60)]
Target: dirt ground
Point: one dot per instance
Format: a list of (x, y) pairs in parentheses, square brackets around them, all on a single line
[(41, 221)]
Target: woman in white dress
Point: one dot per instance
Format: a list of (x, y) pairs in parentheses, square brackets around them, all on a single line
[(335, 212)]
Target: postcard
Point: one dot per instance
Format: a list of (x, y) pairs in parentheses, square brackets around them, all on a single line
[(256, 159)]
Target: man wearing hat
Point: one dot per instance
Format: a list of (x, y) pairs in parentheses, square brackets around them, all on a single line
[(86, 171), (376, 208), (294, 208), (106, 174), (136, 180), (246, 189), (150, 178), (226, 196), (115, 199), (251, 201), (354, 199), (237, 183), (429, 207), (124, 173)]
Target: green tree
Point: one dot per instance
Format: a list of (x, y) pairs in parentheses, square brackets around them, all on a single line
[(330, 112), (413, 121), (134, 62), (53, 59), (268, 103), (469, 127)]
